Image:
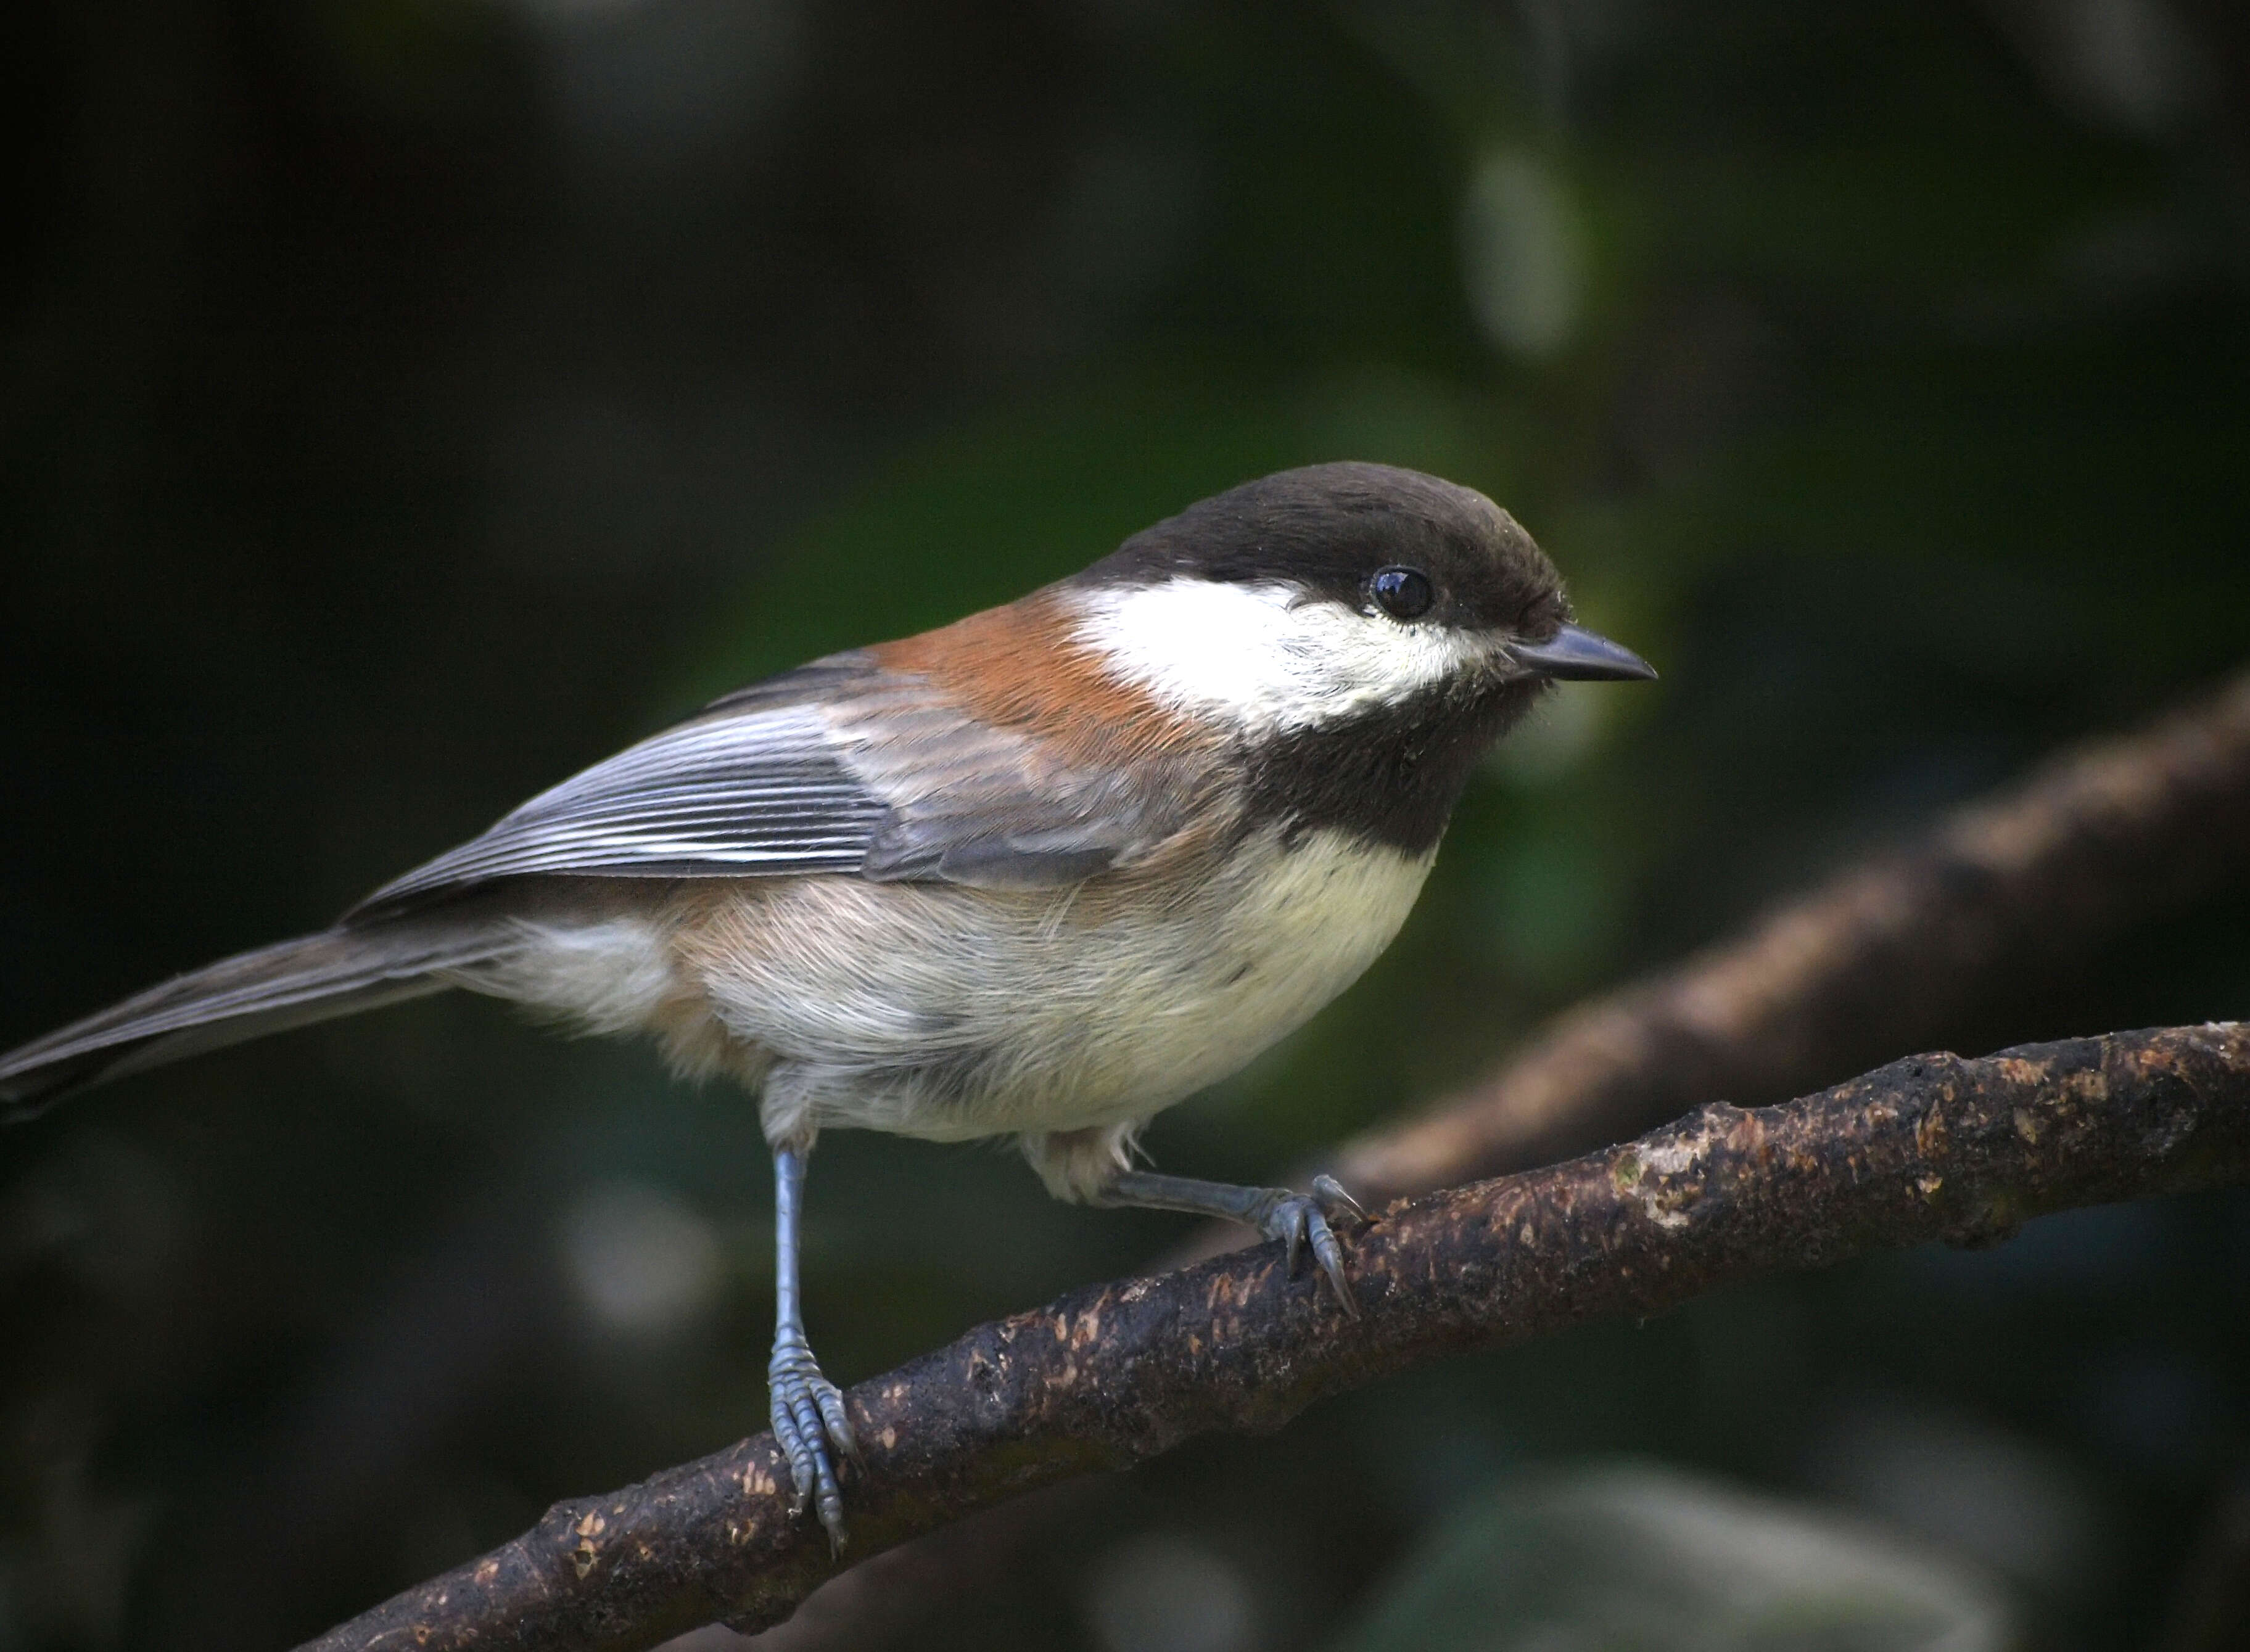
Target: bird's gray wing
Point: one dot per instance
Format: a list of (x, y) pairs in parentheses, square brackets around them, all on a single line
[(997, 809), (839, 767)]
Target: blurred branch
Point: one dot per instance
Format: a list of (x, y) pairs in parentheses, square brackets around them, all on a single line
[(1931, 1148), (1881, 958)]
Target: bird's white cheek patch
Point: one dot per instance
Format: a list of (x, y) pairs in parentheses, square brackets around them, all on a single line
[(1264, 654)]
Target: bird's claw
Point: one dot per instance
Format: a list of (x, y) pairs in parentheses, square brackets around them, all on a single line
[(1302, 1220), (810, 1422)]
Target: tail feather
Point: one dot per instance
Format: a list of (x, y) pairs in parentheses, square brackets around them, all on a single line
[(338, 972)]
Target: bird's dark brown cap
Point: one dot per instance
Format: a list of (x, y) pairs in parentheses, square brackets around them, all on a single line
[(1331, 528)]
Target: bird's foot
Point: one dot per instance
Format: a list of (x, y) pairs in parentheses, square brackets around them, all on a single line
[(1300, 1220), (808, 1421)]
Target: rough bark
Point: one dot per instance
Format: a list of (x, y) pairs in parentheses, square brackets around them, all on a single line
[(1931, 1148)]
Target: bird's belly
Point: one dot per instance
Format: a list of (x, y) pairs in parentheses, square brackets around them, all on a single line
[(933, 1011)]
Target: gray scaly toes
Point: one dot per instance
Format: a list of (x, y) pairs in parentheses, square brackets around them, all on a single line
[(808, 1421), (1302, 1219)]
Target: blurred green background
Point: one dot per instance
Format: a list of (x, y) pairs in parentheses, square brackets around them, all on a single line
[(403, 402)]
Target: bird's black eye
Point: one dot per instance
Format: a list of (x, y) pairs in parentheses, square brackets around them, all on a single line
[(1404, 593)]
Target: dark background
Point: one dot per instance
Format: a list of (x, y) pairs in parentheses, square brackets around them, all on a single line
[(403, 402)]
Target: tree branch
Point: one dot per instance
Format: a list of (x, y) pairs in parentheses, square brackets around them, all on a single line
[(1931, 1148)]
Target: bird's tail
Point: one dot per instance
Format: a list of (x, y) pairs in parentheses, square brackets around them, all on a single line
[(338, 972)]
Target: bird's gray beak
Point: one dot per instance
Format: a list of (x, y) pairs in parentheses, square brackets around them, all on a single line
[(1575, 656)]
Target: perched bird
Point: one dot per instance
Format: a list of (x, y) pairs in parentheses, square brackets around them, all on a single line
[(1039, 873)]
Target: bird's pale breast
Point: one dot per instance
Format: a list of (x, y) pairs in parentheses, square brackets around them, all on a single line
[(932, 1011)]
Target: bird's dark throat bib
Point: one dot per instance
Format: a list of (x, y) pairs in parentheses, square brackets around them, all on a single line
[(1390, 777)]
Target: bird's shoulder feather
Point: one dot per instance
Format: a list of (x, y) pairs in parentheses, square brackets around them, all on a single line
[(992, 753)]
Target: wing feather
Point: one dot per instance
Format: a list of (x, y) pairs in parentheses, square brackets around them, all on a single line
[(840, 767), (757, 788)]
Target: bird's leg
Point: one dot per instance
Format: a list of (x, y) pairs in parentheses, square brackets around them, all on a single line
[(807, 1409), (1297, 1219)]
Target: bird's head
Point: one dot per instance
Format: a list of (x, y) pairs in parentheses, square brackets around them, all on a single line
[(1336, 595)]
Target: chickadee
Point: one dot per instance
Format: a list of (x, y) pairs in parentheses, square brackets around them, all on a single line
[(1039, 873)]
